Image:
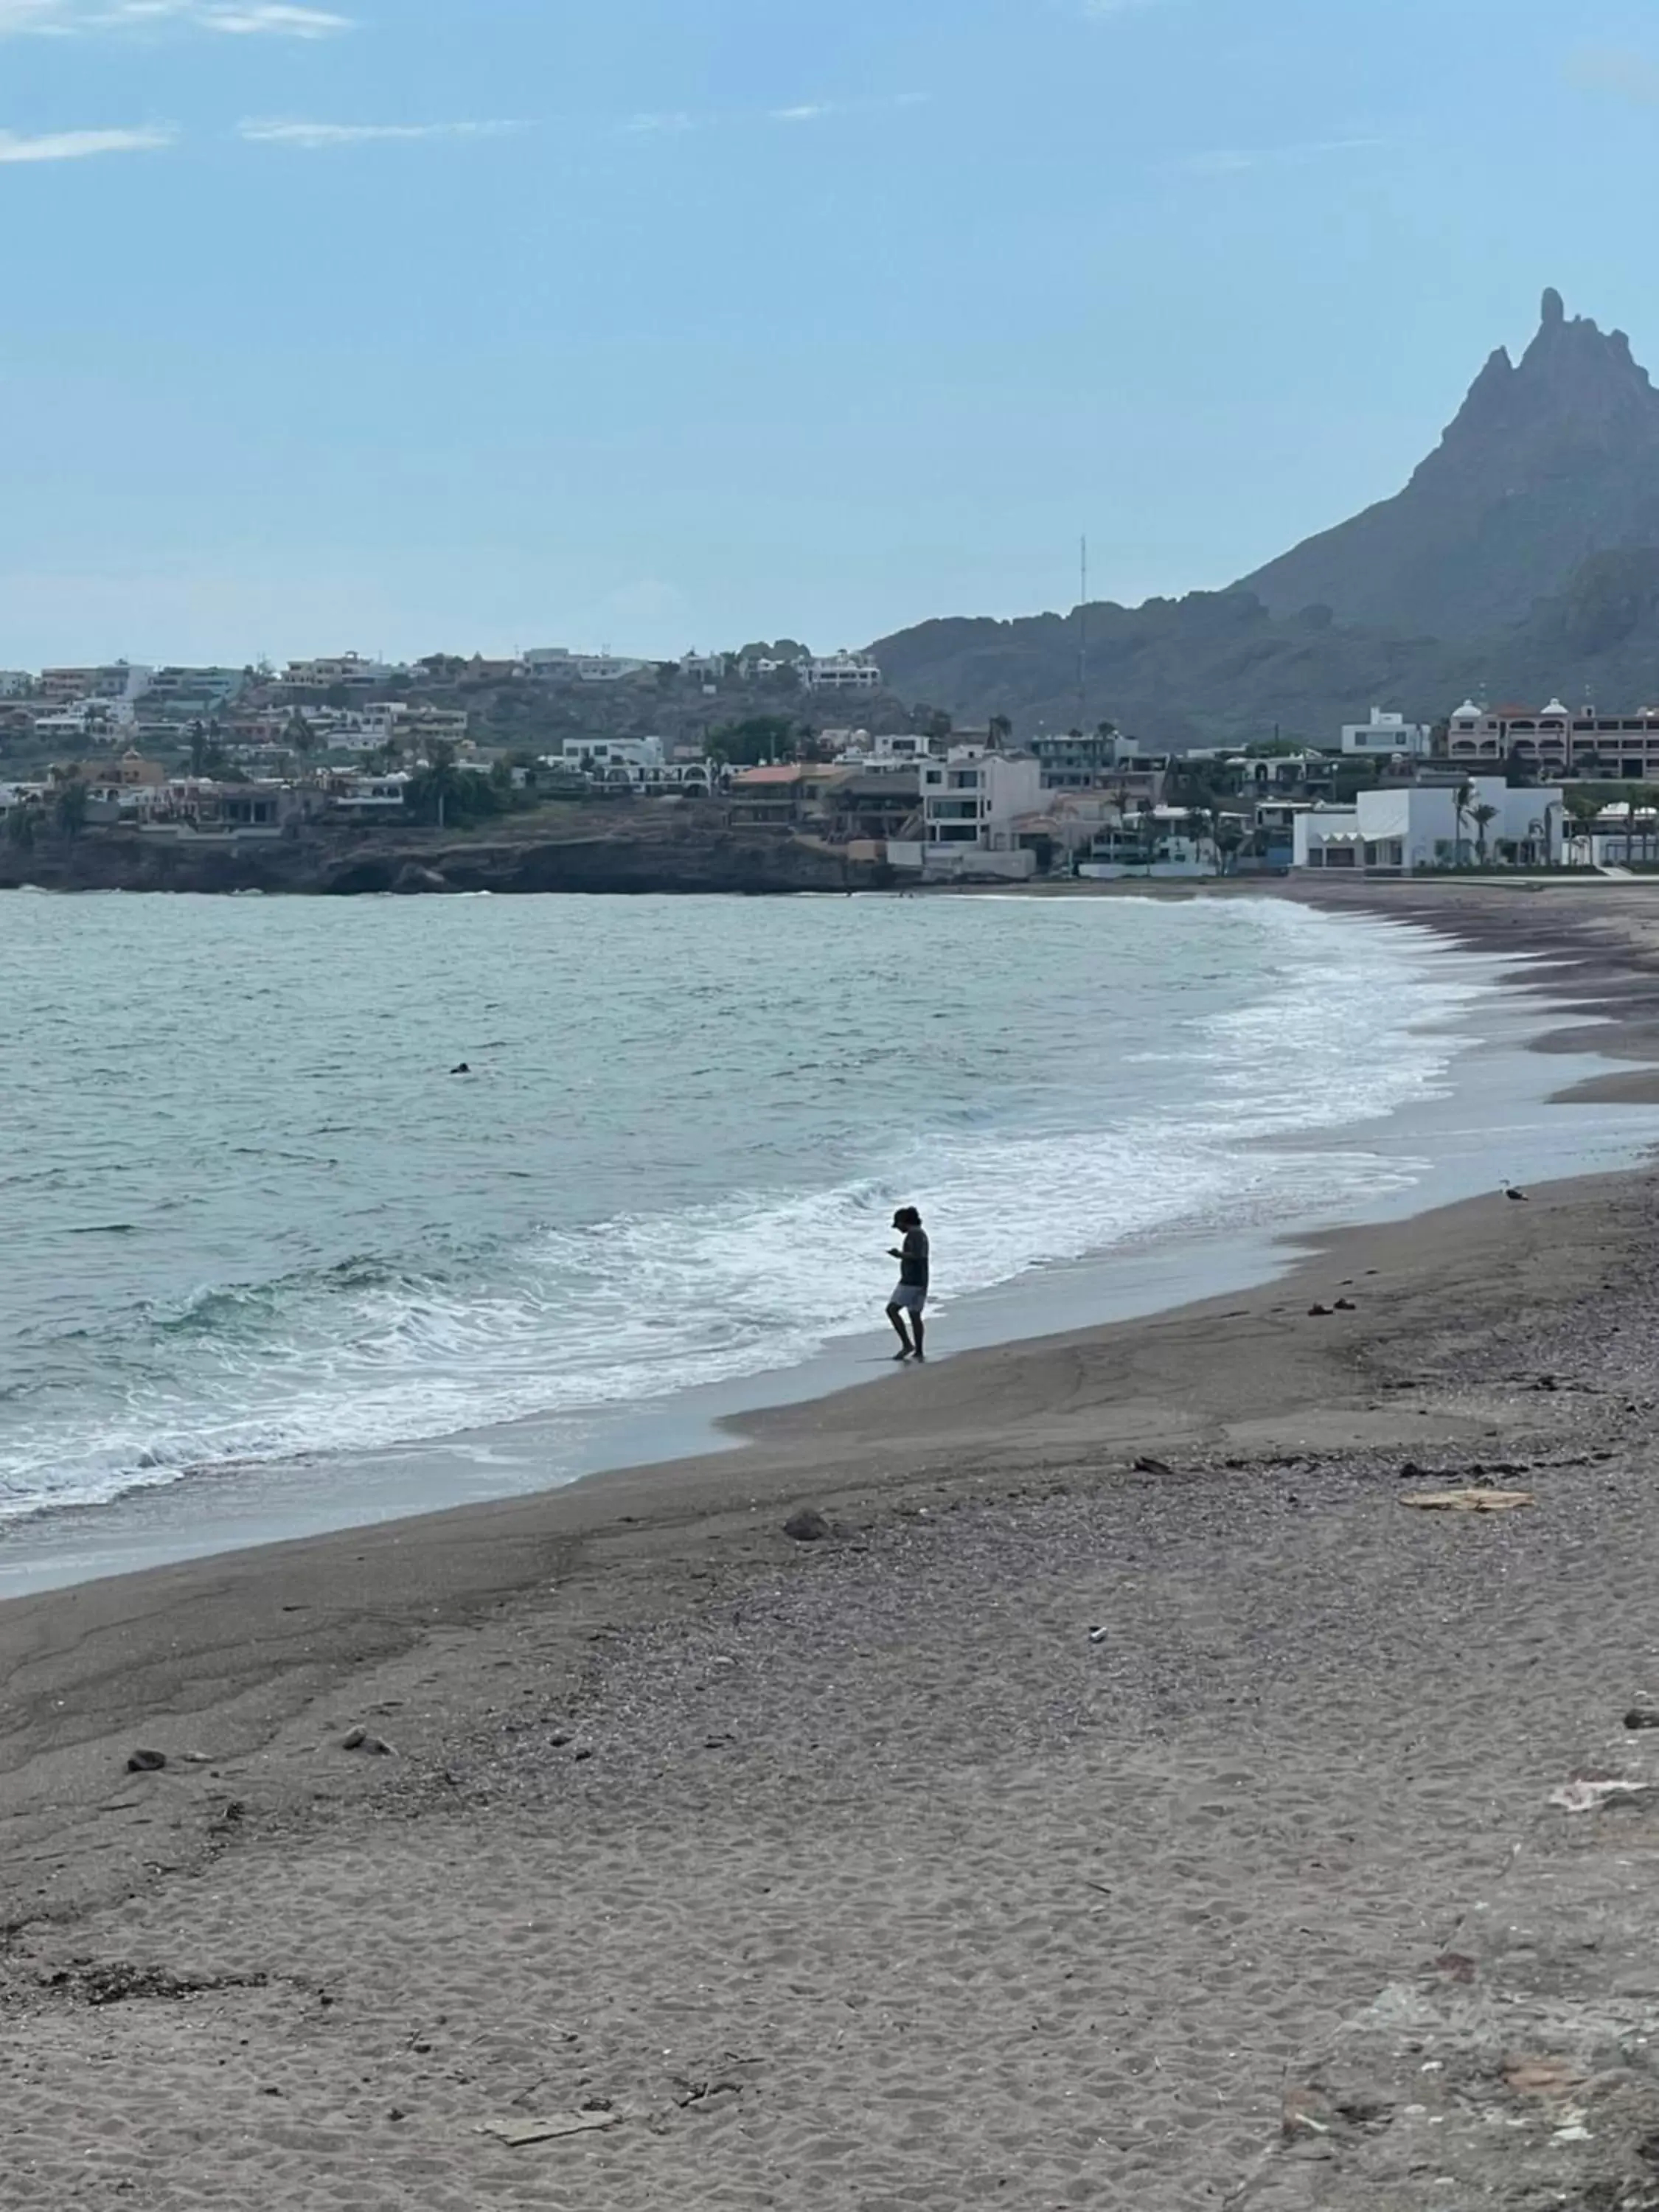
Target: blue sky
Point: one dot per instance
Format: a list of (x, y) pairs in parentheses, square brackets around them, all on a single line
[(404, 325)]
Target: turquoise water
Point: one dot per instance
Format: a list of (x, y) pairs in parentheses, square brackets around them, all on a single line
[(252, 1215)]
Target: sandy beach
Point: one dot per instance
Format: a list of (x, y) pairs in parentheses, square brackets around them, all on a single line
[(1128, 1801)]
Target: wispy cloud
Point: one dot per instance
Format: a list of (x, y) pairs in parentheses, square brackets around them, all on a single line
[(1615, 70), (678, 121), (270, 19), (821, 111), (82, 145), (1239, 161), (316, 137)]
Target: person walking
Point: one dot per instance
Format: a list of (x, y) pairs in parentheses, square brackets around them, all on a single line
[(910, 1298)]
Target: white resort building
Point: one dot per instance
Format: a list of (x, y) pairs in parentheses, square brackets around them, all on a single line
[(1411, 826)]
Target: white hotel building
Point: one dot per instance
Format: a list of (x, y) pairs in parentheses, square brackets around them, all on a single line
[(1410, 826)]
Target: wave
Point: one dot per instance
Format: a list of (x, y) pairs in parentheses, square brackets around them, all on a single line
[(1097, 1149)]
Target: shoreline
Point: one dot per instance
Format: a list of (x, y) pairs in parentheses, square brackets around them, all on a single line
[(211, 1510), (684, 1788), (1125, 1749)]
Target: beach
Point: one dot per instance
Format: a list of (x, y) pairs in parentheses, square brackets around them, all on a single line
[(1122, 1798)]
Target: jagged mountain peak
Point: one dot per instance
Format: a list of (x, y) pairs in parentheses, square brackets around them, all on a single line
[(1551, 458)]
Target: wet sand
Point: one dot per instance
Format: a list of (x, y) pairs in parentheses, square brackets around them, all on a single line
[(1047, 1834)]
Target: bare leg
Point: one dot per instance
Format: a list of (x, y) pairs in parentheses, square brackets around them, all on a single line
[(921, 1335), (897, 1320)]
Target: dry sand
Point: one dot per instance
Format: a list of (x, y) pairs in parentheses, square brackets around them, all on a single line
[(1055, 1832)]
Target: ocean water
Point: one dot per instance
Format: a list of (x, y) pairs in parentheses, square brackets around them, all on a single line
[(251, 1217)]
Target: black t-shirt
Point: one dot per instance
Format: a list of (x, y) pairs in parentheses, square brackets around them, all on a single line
[(916, 1260)]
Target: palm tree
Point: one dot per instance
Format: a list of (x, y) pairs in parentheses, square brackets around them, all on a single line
[(1483, 816), (442, 784), (68, 809), (1463, 801), (1147, 813)]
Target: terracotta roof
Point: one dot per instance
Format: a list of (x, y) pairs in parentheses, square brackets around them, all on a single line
[(792, 773)]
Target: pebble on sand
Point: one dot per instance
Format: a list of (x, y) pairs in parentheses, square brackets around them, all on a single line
[(807, 1528)]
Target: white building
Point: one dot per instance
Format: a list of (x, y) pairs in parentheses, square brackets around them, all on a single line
[(368, 798), (971, 805), (556, 664), (883, 754), (1412, 826), (1163, 842), (342, 670), (1388, 734), (630, 758), (841, 671), (706, 668), (115, 681)]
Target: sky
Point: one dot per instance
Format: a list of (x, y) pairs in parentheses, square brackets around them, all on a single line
[(409, 325)]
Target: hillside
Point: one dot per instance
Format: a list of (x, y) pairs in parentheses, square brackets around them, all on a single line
[(1523, 558), (1548, 461)]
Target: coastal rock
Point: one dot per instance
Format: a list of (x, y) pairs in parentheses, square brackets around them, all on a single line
[(358, 1738), (146, 1762), (1642, 1716), (807, 1528), (413, 879)]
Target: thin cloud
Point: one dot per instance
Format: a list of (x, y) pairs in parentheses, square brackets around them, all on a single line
[(316, 137), (270, 19), (273, 23), (1615, 70), (820, 110), (651, 125), (82, 145), (1239, 161)]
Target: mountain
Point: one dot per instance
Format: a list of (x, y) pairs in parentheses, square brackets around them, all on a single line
[(1214, 668), (1549, 460), (1523, 557)]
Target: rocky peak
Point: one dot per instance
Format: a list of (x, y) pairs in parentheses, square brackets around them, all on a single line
[(1574, 380), (1550, 460)]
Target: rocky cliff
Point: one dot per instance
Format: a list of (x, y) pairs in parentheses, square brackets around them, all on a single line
[(708, 859), (1550, 460)]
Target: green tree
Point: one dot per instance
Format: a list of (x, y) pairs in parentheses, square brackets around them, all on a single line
[(20, 822), (68, 808), (1001, 731), (1483, 816), (442, 793), (758, 737)]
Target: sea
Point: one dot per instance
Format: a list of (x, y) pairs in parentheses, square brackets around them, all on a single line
[(272, 1264)]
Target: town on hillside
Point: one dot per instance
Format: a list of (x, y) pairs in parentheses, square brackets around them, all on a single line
[(776, 744)]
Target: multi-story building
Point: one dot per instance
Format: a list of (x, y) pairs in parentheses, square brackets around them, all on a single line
[(1076, 761), (15, 683), (115, 680), (556, 664), (1558, 740), (1388, 734), (348, 671), (620, 757), (841, 671), (182, 692), (972, 805)]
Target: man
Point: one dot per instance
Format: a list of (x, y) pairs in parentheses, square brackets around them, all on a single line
[(911, 1295)]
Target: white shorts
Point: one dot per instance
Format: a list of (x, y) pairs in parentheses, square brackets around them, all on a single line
[(909, 1298)]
